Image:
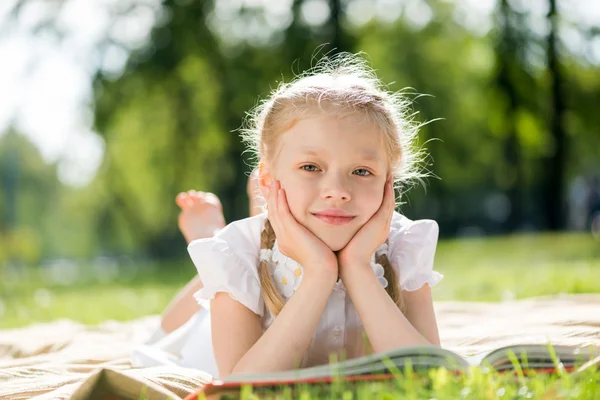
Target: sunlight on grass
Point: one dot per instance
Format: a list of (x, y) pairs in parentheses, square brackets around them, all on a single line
[(29, 296), (487, 269), (440, 384), (505, 268)]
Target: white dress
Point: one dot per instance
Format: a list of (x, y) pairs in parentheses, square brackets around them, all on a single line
[(228, 262)]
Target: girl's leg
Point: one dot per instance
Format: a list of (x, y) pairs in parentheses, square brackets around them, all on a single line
[(182, 307), (201, 216)]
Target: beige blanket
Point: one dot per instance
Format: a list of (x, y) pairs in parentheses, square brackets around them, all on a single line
[(50, 361)]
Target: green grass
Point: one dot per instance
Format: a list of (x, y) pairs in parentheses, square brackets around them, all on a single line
[(439, 384), (88, 293), (489, 269), (495, 269)]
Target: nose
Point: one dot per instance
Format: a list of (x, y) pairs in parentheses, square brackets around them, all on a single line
[(336, 187)]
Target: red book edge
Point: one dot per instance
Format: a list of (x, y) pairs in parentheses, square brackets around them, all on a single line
[(217, 385)]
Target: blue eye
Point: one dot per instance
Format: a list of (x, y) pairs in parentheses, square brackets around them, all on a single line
[(309, 168), (362, 172)]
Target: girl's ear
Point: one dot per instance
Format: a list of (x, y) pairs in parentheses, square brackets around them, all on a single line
[(264, 179)]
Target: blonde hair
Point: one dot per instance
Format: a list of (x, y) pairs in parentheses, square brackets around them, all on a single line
[(339, 86)]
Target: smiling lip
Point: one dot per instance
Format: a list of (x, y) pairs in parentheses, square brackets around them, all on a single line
[(334, 216)]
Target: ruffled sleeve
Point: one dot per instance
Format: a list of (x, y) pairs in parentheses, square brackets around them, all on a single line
[(228, 263), (412, 247)]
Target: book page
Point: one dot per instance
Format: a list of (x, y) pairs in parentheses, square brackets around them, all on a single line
[(538, 356), (419, 357)]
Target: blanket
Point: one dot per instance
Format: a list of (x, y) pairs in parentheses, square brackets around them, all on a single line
[(58, 360)]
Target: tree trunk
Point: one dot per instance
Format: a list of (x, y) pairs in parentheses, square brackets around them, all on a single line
[(10, 183), (555, 173), (506, 58), (338, 40)]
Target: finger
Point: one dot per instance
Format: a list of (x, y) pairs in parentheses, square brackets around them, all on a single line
[(386, 210), (279, 205), (272, 200), (286, 214), (390, 200), (385, 202), (283, 205), (391, 196)]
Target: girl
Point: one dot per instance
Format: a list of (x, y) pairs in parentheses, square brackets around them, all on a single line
[(330, 262)]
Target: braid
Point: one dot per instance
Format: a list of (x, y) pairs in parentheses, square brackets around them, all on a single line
[(271, 295), (273, 299), (393, 287)]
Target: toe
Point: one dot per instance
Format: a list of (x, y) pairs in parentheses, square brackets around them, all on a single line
[(198, 195), (213, 199), (180, 199)]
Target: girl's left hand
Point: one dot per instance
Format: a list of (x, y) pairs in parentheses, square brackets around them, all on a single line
[(371, 235)]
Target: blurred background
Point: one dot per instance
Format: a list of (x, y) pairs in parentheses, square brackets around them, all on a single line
[(109, 108)]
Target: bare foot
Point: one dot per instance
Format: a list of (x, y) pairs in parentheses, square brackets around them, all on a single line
[(201, 214)]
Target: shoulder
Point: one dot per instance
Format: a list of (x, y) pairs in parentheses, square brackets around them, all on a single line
[(412, 246), (228, 262), (421, 231), (239, 237)]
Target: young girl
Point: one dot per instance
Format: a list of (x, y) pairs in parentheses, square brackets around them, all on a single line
[(330, 263)]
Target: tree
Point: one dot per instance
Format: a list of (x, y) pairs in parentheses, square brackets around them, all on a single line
[(507, 63), (554, 179)]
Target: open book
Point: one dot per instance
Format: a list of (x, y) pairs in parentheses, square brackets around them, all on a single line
[(541, 358)]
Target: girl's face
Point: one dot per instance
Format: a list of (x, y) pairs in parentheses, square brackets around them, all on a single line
[(333, 171)]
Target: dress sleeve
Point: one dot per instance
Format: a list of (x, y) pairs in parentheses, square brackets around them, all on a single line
[(228, 263), (412, 247)]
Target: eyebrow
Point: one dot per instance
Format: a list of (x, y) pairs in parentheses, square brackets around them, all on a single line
[(365, 155)]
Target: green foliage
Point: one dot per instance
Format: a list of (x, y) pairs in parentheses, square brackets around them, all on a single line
[(170, 121), (440, 384)]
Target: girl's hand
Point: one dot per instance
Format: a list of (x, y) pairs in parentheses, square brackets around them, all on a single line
[(372, 234), (297, 242)]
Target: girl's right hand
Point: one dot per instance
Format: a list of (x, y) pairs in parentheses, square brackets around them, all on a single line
[(297, 242)]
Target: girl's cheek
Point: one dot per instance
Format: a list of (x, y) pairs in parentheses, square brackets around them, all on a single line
[(374, 197)]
